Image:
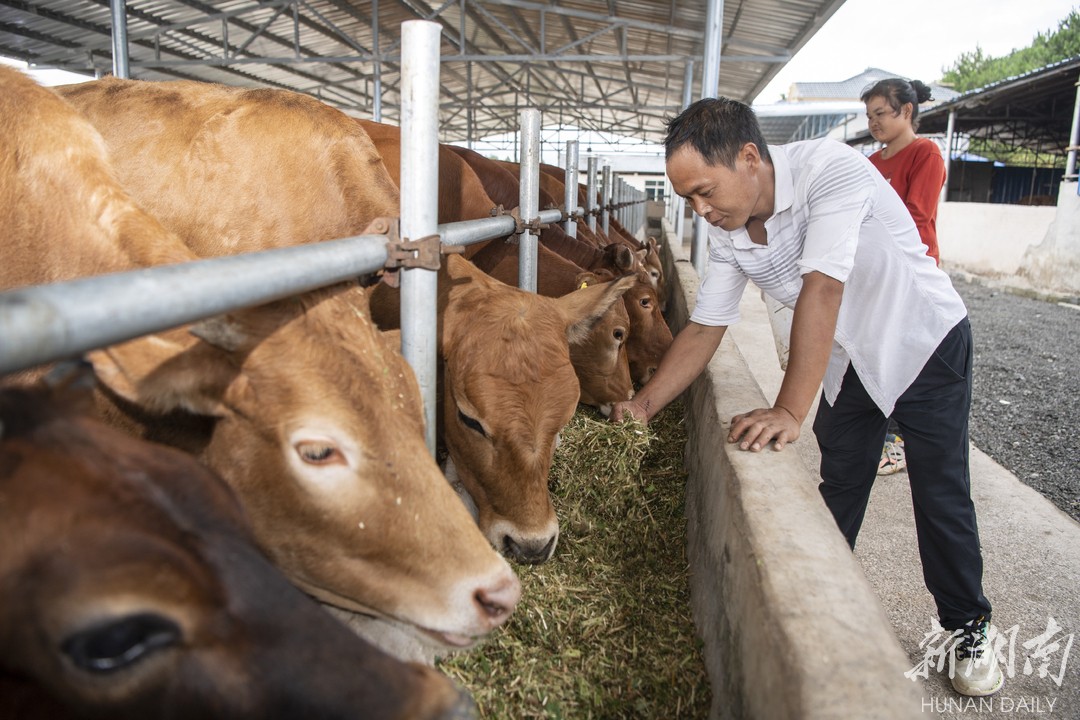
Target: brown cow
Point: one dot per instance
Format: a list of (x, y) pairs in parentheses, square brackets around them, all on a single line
[(301, 405), (599, 359), (131, 587), (649, 336), (647, 251), (233, 169), (503, 187), (461, 194), (509, 388)]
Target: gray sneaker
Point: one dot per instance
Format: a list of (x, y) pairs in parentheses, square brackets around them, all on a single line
[(975, 669)]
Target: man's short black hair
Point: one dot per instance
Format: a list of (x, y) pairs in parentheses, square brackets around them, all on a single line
[(717, 128)]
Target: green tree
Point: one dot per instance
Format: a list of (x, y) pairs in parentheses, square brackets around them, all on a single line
[(976, 69)]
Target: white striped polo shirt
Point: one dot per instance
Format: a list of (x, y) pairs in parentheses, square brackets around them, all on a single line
[(835, 214)]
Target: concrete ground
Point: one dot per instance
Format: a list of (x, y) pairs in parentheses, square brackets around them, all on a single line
[(1031, 576)]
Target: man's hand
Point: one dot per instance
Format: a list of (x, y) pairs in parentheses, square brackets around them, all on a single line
[(629, 409), (757, 428)]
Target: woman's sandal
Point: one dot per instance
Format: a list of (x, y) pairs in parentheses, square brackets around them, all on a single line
[(892, 456)]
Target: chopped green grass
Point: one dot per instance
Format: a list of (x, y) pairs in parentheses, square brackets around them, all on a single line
[(603, 629)]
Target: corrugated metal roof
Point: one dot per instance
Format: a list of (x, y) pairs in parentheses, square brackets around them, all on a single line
[(614, 65)]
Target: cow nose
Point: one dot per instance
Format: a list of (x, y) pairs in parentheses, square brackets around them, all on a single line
[(529, 552), (498, 601)]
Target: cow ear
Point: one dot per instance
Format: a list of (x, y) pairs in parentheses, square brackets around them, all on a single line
[(585, 306), (223, 332), (584, 279), (166, 372), (624, 257), (71, 383)]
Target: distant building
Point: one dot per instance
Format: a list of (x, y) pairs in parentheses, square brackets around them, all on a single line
[(854, 86), (829, 109)]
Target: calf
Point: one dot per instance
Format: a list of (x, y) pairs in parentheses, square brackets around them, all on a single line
[(131, 587), (508, 389), (600, 359)]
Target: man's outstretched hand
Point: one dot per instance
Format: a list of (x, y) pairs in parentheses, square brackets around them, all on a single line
[(629, 409)]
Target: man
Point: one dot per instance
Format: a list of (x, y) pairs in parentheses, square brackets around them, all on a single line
[(816, 227)]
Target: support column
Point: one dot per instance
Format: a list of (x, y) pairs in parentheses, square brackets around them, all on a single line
[(950, 139), (420, 204), (529, 198), (119, 38), (605, 200), (570, 198), (1074, 138), (710, 86), (590, 194)]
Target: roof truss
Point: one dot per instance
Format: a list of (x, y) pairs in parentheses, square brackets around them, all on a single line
[(606, 64)]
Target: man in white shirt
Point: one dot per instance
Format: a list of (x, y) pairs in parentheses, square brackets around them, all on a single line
[(816, 227)]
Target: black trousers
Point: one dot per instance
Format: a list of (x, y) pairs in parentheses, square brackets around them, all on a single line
[(933, 418)]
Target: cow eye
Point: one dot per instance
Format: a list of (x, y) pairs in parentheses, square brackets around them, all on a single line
[(116, 645), (472, 423), (318, 452), (645, 302), (619, 334)]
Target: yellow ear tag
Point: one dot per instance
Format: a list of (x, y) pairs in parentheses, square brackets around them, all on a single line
[(584, 285)]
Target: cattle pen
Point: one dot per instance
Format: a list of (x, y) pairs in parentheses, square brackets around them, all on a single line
[(755, 587)]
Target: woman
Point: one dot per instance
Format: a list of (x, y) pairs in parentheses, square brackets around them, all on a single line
[(915, 169), (912, 165)]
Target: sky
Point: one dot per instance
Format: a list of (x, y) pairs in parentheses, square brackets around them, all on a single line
[(914, 38)]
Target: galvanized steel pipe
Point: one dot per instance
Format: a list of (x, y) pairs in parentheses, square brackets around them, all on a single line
[(1074, 138), (590, 193), (376, 100), (950, 138), (118, 10), (529, 196), (605, 200), (46, 323), (420, 203), (710, 86), (571, 181)]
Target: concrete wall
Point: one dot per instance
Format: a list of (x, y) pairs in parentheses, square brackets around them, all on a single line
[(790, 624), (1054, 263), (1034, 249), (983, 238)]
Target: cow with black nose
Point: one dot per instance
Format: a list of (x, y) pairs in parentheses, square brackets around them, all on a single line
[(131, 587)]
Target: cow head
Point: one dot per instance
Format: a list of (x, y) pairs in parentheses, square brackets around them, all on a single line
[(316, 424), (650, 260), (600, 360), (650, 336), (130, 587), (509, 388)]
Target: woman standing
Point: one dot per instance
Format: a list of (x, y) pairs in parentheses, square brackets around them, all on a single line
[(912, 165), (915, 169)]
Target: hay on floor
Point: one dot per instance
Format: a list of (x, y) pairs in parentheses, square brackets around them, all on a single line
[(603, 629)]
